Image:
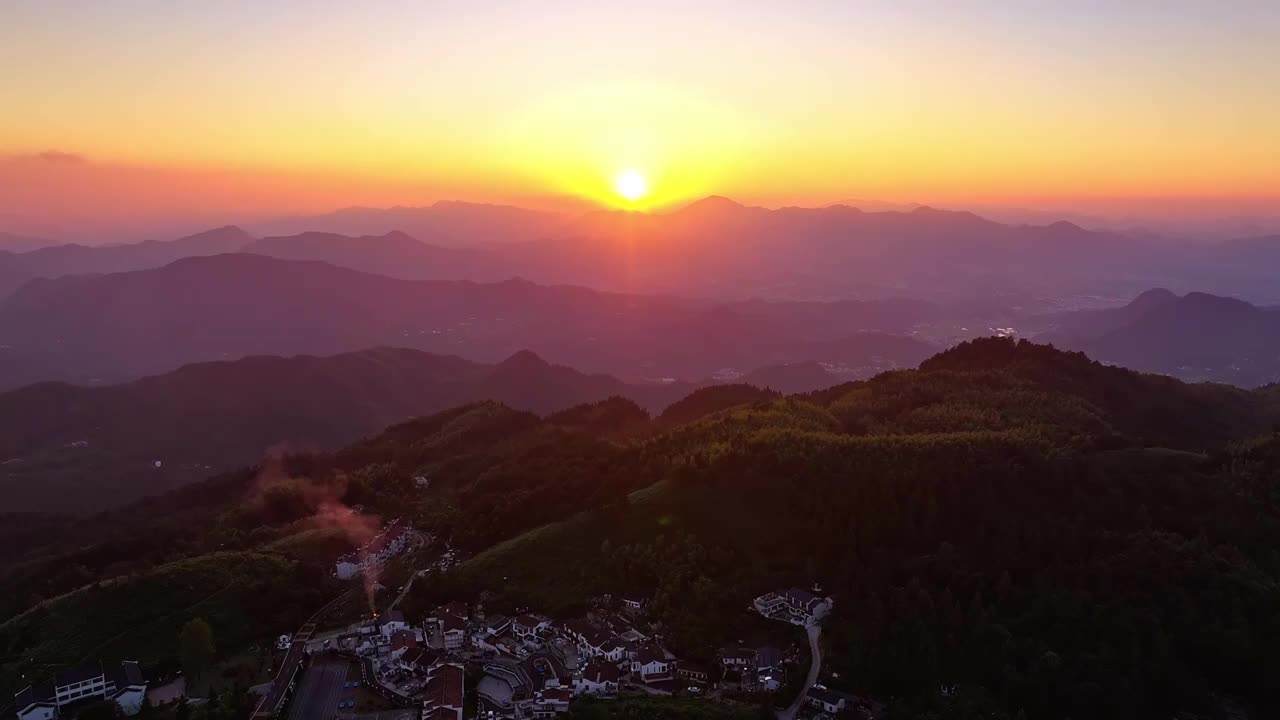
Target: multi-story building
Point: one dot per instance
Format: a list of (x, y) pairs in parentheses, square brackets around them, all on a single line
[(123, 684), (394, 538)]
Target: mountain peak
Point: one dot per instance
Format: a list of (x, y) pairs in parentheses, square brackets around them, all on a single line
[(399, 236), (712, 204), (1155, 297), (523, 361)]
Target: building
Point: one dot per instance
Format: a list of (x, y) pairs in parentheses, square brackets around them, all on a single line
[(692, 672), (633, 605), (451, 621), (551, 702), (594, 642), (402, 641), (599, 677), (525, 628), (454, 630), (497, 625), (88, 682), (390, 623), (444, 691), (394, 538), (419, 660), (652, 666), (795, 606), (737, 657), (825, 700), (769, 671)]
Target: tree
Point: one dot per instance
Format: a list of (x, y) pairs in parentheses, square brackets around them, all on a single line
[(196, 649)]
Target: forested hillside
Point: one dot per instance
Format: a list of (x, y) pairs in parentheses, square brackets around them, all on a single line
[(1010, 531)]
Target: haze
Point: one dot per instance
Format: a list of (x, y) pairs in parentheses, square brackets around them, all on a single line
[(133, 118)]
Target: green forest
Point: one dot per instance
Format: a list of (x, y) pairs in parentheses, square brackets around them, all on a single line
[(1009, 531)]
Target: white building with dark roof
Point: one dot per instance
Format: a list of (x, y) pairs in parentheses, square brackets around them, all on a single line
[(795, 606), (394, 538), (86, 682)]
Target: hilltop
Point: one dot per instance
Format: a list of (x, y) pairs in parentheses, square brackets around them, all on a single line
[(993, 522)]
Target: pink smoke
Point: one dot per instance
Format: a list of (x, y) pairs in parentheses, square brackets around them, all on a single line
[(277, 496)]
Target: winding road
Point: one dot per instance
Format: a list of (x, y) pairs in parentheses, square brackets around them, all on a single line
[(814, 631)]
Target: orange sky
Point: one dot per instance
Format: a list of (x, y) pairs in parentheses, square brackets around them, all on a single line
[(163, 110)]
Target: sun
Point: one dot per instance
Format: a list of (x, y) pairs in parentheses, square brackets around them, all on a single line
[(631, 185)]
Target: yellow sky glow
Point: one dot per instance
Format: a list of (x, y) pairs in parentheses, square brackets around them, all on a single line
[(806, 102)]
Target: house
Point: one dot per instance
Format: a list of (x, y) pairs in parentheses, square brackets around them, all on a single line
[(651, 666), (769, 671), (768, 658), (390, 623), (593, 641), (444, 691), (632, 605), (551, 702), (90, 681), (391, 541), (402, 640), (737, 657), (420, 660), (347, 567), (825, 700), (454, 631), (452, 623), (795, 606), (692, 672), (599, 677), (497, 625), (525, 628)]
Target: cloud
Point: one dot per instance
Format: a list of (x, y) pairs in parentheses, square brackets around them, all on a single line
[(55, 156)]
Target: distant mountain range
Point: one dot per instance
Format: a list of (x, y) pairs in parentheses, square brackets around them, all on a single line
[(70, 448), (113, 328), (58, 260), (716, 247), (11, 242), (1196, 336), (445, 223)]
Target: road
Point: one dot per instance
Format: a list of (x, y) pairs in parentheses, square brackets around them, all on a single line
[(273, 701), (317, 696), (814, 631)]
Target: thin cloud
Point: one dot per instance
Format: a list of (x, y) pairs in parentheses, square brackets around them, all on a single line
[(55, 156)]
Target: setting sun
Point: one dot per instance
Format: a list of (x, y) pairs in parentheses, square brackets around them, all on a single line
[(631, 185)]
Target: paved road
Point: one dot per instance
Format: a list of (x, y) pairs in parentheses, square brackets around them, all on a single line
[(814, 631), (317, 697), (275, 697)]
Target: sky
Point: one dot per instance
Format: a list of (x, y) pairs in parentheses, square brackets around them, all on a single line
[(136, 113)]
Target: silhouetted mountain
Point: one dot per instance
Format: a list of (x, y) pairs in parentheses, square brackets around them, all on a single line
[(1196, 337), (394, 254), (57, 260), (1084, 325), (792, 378), (22, 243), (84, 259), (72, 448), (447, 223), (720, 247), (112, 328), (713, 399)]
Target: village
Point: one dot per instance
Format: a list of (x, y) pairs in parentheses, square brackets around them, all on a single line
[(462, 661)]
